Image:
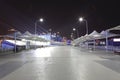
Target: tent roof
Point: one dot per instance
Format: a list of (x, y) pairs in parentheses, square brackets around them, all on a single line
[(18, 34), (27, 33), (103, 33), (115, 28), (95, 35)]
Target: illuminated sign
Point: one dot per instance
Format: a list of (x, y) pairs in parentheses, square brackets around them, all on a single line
[(116, 39)]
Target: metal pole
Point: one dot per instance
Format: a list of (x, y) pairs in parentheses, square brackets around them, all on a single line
[(77, 33), (50, 37), (50, 31), (94, 44), (86, 30), (15, 41), (35, 32), (86, 26), (106, 40)]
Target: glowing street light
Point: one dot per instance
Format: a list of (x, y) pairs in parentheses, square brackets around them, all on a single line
[(41, 20), (80, 19), (74, 29)]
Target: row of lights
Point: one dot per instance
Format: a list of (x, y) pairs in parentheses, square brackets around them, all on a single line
[(42, 20), (81, 19)]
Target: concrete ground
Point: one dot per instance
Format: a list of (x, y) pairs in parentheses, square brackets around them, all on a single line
[(60, 63)]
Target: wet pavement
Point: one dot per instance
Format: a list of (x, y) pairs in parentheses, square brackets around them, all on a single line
[(60, 63)]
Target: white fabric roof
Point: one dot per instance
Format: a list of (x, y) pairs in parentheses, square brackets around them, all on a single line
[(13, 34), (78, 40), (103, 33), (95, 35), (115, 28), (27, 33)]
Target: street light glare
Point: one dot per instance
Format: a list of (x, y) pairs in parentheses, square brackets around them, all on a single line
[(74, 29), (80, 19), (12, 29), (41, 19)]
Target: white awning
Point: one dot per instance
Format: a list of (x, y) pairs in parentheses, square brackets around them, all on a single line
[(115, 28)]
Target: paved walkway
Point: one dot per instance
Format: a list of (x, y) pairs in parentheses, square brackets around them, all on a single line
[(60, 63)]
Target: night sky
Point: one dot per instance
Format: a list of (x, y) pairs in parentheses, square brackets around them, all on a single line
[(62, 16)]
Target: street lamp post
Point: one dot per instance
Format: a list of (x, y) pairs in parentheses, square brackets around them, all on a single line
[(40, 20), (107, 40), (72, 36), (74, 29), (50, 30), (81, 19)]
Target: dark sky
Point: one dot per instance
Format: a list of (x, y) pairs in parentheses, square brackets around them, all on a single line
[(62, 16)]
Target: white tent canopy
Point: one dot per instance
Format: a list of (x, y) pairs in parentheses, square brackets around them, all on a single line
[(92, 36), (78, 40), (86, 37), (103, 33), (18, 34), (95, 35), (27, 33), (115, 28)]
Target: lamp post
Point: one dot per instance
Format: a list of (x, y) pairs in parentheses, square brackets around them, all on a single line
[(50, 30), (74, 29), (40, 20), (107, 40), (13, 30), (72, 36), (81, 19)]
